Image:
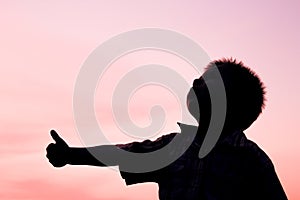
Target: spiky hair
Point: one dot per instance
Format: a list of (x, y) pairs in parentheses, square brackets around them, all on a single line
[(245, 92)]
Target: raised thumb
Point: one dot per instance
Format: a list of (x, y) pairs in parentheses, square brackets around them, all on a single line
[(56, 137)]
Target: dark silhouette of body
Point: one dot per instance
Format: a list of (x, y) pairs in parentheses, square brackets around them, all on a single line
[(235, 169)]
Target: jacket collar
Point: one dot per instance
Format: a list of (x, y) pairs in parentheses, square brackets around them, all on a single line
[(236, 138)]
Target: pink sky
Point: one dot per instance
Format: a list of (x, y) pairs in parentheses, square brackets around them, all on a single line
[(43, 45)]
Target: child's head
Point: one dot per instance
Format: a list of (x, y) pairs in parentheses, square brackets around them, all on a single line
[(245, 94)]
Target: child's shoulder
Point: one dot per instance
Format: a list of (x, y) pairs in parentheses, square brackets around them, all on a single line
[(257, 153)]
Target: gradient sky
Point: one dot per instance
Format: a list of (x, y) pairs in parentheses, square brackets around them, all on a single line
[(43, 45)]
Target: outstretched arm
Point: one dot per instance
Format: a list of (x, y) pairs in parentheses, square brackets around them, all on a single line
[(60, 154)]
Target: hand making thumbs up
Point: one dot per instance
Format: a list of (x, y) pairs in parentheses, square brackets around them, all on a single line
[(58, 153)]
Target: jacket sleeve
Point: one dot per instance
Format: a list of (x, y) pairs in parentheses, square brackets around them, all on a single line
[(146, 146)]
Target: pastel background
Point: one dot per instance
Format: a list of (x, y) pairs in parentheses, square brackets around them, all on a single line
[(44, 43)]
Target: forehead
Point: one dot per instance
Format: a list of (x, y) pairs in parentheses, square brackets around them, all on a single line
[(208, 75), (198, 82), (211, 76)]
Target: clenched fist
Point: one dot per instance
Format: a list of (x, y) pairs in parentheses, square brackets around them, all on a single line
[(58, 153)]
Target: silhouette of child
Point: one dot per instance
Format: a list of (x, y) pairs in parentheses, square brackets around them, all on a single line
[(236, 168)]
